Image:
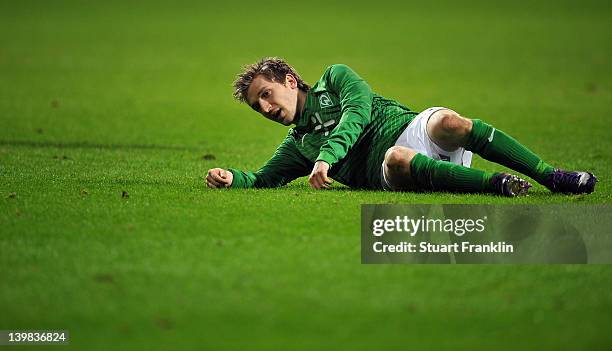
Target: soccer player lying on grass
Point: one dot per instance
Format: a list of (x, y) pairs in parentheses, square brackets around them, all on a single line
[(345, 131)]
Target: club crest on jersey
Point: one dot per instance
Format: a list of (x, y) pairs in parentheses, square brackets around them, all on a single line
[(325, 100)]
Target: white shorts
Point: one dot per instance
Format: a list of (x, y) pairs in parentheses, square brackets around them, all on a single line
[(415, 137)]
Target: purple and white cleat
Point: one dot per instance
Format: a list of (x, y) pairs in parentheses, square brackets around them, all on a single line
[(509, 185), (568, 182)]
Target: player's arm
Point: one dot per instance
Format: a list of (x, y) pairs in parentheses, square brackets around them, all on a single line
[(356, 104), (286, 164)]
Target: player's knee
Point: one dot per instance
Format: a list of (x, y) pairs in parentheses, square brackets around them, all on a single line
[(448, 129), (450, 123), (397, 167), (398, 158)]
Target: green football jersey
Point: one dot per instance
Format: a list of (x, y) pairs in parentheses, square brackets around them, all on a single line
[(344, 124)]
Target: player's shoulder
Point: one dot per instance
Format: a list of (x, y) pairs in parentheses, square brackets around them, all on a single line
[(337, 67), (341, 72), (333, 73)]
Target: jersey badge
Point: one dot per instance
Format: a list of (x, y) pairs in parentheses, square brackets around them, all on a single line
[(325, 100)]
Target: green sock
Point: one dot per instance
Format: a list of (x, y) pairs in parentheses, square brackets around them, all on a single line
[(430, 174), (497, 146)]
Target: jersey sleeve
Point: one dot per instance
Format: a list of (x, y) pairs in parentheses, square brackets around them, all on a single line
[(286, 164), (356, 104)]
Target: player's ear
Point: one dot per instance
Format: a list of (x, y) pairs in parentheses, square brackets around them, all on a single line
[(290, 81)]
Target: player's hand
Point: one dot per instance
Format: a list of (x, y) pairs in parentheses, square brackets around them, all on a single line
[(219, 178), (318, 177)]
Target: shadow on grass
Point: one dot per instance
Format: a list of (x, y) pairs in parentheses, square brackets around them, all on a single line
[(129, 182), (88, 145)]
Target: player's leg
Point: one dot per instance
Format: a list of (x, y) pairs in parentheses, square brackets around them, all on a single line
[(449, 130), (404, 169)]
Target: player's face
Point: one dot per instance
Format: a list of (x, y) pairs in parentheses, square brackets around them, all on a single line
[(275, 101)]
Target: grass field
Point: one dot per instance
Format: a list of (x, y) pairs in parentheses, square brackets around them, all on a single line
[(101, 99)]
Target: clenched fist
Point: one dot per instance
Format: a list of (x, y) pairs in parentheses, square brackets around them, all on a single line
[(219, 178)]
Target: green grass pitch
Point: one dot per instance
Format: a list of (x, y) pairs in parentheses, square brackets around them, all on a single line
[(98, 99)]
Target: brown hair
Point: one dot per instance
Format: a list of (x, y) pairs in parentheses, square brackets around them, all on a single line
[(272, 68)]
